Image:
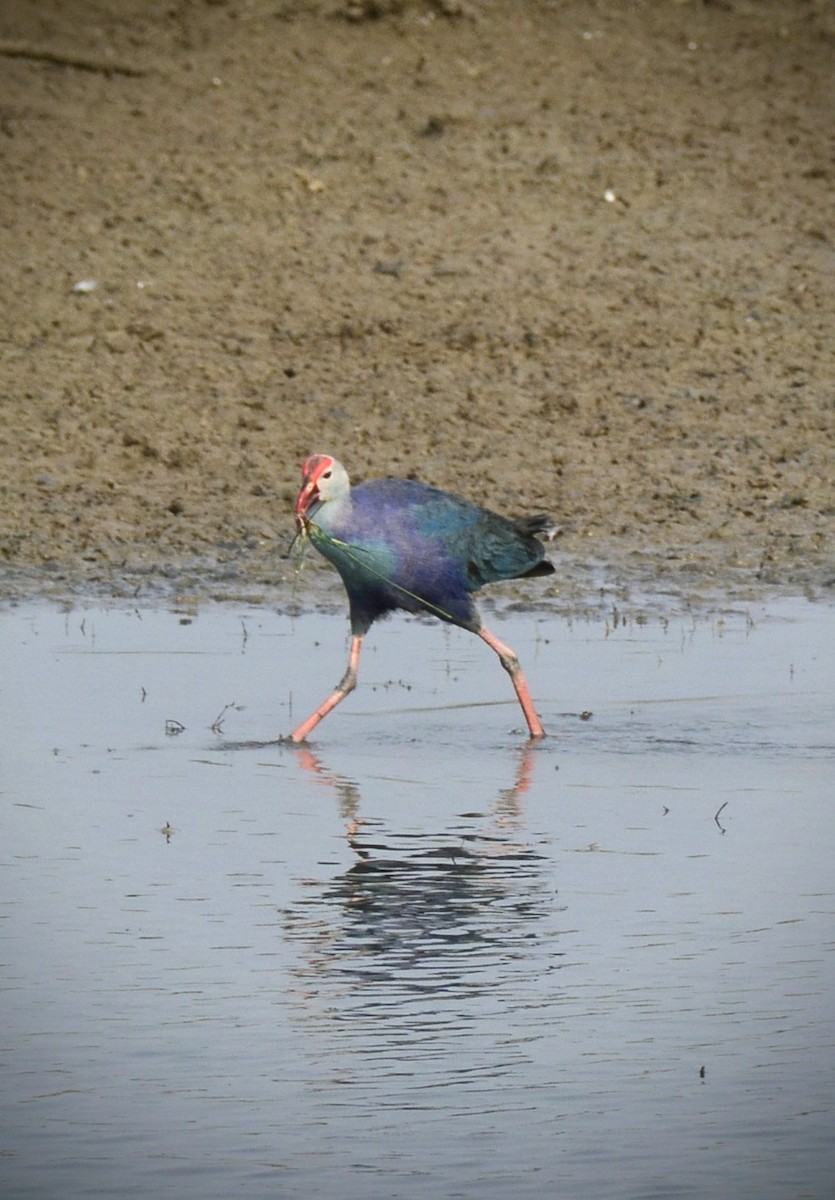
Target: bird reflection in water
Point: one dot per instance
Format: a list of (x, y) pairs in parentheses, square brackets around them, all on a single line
[(456, 913)]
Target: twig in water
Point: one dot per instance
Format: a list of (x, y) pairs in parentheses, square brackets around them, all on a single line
[(217, 725)]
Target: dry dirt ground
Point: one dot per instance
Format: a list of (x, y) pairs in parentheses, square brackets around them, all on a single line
[(549, 255)]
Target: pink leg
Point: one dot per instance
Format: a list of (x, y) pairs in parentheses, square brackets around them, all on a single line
[(346, 685), (511, 664)]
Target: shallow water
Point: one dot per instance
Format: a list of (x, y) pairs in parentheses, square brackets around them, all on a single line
[(417, 957)]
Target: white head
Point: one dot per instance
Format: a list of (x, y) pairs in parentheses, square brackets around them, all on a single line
[(323, 478)]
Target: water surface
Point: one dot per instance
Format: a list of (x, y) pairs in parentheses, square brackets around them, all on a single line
[(418, 957)]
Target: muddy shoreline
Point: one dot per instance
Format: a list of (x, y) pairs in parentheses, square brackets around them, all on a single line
[(563, 257), (618, 590)]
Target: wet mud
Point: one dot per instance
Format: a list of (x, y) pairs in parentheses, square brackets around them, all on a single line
[(563, 257)]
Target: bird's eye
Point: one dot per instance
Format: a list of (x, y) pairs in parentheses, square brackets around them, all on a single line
[(327, 474)]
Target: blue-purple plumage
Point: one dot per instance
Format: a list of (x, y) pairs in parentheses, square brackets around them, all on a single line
[(401, 544)]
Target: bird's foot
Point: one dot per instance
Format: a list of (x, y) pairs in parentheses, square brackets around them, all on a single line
[(289, 739)]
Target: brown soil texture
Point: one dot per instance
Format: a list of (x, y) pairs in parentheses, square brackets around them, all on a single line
[(574, 257)]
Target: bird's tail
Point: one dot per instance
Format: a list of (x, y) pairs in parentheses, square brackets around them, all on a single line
[(530, 526)]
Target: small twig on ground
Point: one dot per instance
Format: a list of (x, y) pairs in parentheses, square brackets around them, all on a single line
[(61, 58)]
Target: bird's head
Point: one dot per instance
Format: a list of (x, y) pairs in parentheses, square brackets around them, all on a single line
[(323, 478)]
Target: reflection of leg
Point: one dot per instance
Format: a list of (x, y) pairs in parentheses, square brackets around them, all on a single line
[(346, 685), (511, 664), (347, 790)]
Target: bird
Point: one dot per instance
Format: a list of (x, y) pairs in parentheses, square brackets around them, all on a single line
[(402, 544)]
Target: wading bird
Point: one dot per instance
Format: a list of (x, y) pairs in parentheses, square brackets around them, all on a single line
[(399, 544)]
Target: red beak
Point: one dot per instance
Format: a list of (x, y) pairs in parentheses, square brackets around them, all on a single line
[(308, 495)]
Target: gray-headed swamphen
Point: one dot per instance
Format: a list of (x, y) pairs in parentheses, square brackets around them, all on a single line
[(399, 544)]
